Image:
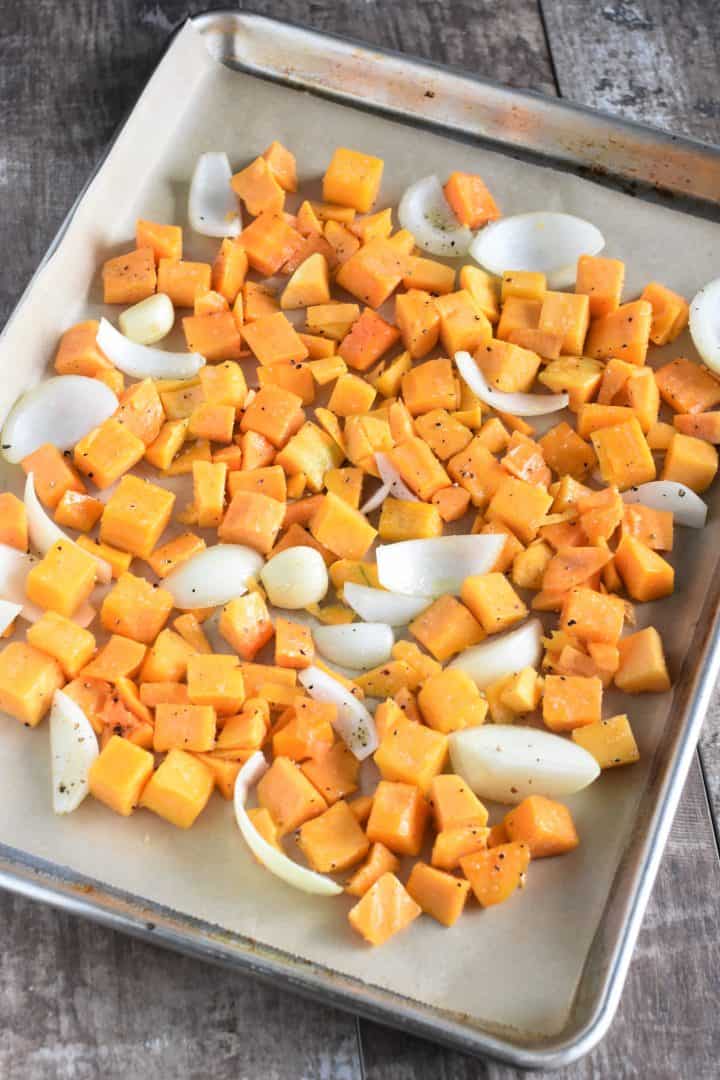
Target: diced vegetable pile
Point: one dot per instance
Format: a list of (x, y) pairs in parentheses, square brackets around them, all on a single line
[(255, 640)]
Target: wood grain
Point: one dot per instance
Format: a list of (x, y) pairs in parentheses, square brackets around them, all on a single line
[(78, 1002)]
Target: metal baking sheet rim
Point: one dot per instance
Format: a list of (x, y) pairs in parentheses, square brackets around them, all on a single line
[(608, 960)]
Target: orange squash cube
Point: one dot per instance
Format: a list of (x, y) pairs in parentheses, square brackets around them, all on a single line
[(524, 284), (418, 320), (470, 200), (141, 411), (380, 861), (430, 276), (184, 727), (495, 874), (333, 841), (642, 667), (64, 640), (229, 269), (269, 241), (136, 609), (521, 506), (352, 179), (216, 680), (368, 339), (275, 413), (493, 601), (450, 701), (687, 387), (294, 646), (161, 452), (248, 729), (166, 241), (76, 511), (623, 333), (623, 454), (129, 278), (545, 825), (611, 742), (690, 461), (644, 573), (333, 773), (63, 580), (253, 519), (166, 660), (446, 628), (519, 314), (258, 188), (571, 701), (384, 910), (78, 352), (454, 843), (183, 281), (163, 560), (398, 817), (13, 522), (245, 624), (341, 528), (430, 386), (374, 272), (593, 616), (52, 475), (454, 804), (214, 336), (282, 164), (439, 894), (670, 312), (119, 775), (412, 754), (119, 657), (29, 678), (566, 314), (601, 280), (309, 734), (507, 367), (136, 515), (179, 790), (462, 323), (289, 796)]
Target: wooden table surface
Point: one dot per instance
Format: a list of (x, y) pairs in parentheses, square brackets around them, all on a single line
[(78, 1002)]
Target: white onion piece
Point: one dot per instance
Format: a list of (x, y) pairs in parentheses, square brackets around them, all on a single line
[(544, 241), (705, 323), (506, 762), (73, 748), (277, 862), (148, 321), (390, 476), (354, 724), (517, 404), (8, 614), (379, 605), (43, 531), (213, 576), (61, 411), (503, 655), (213, 209), (434, 567), (685, 504), (375, 500), (355, 645), (142, 361), (295, 578), (427, 214)]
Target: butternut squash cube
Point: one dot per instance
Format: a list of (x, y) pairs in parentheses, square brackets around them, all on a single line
[(163, 560), (463, 326), (380, 861), (275, 413), (352, 179), (342, 529), (444, 434), (179, 790), (687, 387), (78, 352), (412, 754), (477, 471), (310, 284), (521, 506), (602, 282), (53, 475), (404, 520), (216, 680), (129, 278), (645, 574), (333, 841), (567, 315), (566, 453), (623, 455), (253, 519), (470, 199), (526, 284), (593, 616), (454, 843), (13, 522), (577, 376), (136, 609), (368, 339), (245, 624), (224, 775), (136, 515), (257, 187), (670, 312), (450, 701), (642, 668), (453, 803), (61, 638), (507, 367), (184, 727), (446, 628), (611, 742), (493, 601), (167, 660), (351, 396), (289, 796), (229, 269), (312, 452), (274, 340), (495, 874), (418, 467), (28, 679), (522, 692), (107, 452), (333, 773), (165, 240), (384, 910), (439, 894), (119, 774), (543, 824), (571, 701), (248, 729), (183, 281), (77, 511), (690, 461), (418, 320), (63, 580), (398, 817), (161, 452), (373, 273), (623, 333), (294, 646)]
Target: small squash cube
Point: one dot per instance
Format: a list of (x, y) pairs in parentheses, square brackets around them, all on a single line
[(79, 353), (611, 742), (462, 325), (571, 701), (136, 609), (670, 312), (385, 909), (493, 601), (13, 522), (454, 804), (289, 796), (252, 519), (577, 376), (543, 824), (53, 475), (179, 790), (470, 199), (454, 843), (601, 280), (352, 179), (450, 701), (257, 187), (183, 281), (184, 727), (593, 616), (439, 894), (216, 680), (333, 841), (446, 628), (687, 387), (398, 817), (404, 520), (245, 624), (690, 461), (136, 515), (334, 773), (129, 278), (521, 693), (165, 240), (63, 639), (107, 452), (444, 434), (412, 754), (521, 506), (248, 729), (63, 580), (642, 667), (430, 386), (28, 679), (380, 861), (294, 646), (341, 528), (274, 340), (275, 413), (623, 333), (495, 874), (418, 467), (119, 774), (167, 660), (623, 454), (163, 560), (77, 511), (644, 573)]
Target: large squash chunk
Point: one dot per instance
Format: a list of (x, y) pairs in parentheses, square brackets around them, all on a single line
[(217, 681), (107, 452), (333, 841), (136, 515), (611, 742), (28, 680), (645, 574), (642, 667), (439, 894), (398, 817), (493, 601), (495, 874), (63, 639), (521, 506), (179, 790), (136, 609), (446, 628), (449, 700), (623, 333), (385, 909), (275, 413), (342, 529), (119, 774), (624, 456), (252, 519), (63, 579), (352, 179), (184, 727), (571, 701), (545, 825), (687, 387), (13, 522), (690, 461), (593, 616), (129, 278), (53, 475), (412, 754), (289, 796)]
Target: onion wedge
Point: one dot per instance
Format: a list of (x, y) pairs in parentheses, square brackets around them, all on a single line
[(426, 213), (432, 567), (277, 862), (213, 576), (506, 762), (686, 505), (705, 323), (73, 748), (354, 724), (43, 531), (61, 411), (8, 614), (381, 606), (503, 655), (355, 645), (213, 209), (544, 241), (143, 361), (517, 404), (376, 499)]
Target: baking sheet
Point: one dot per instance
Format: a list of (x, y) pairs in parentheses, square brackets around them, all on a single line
[(517, 967)]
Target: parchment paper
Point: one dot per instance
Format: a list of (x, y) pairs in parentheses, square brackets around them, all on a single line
[(518, 965)]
